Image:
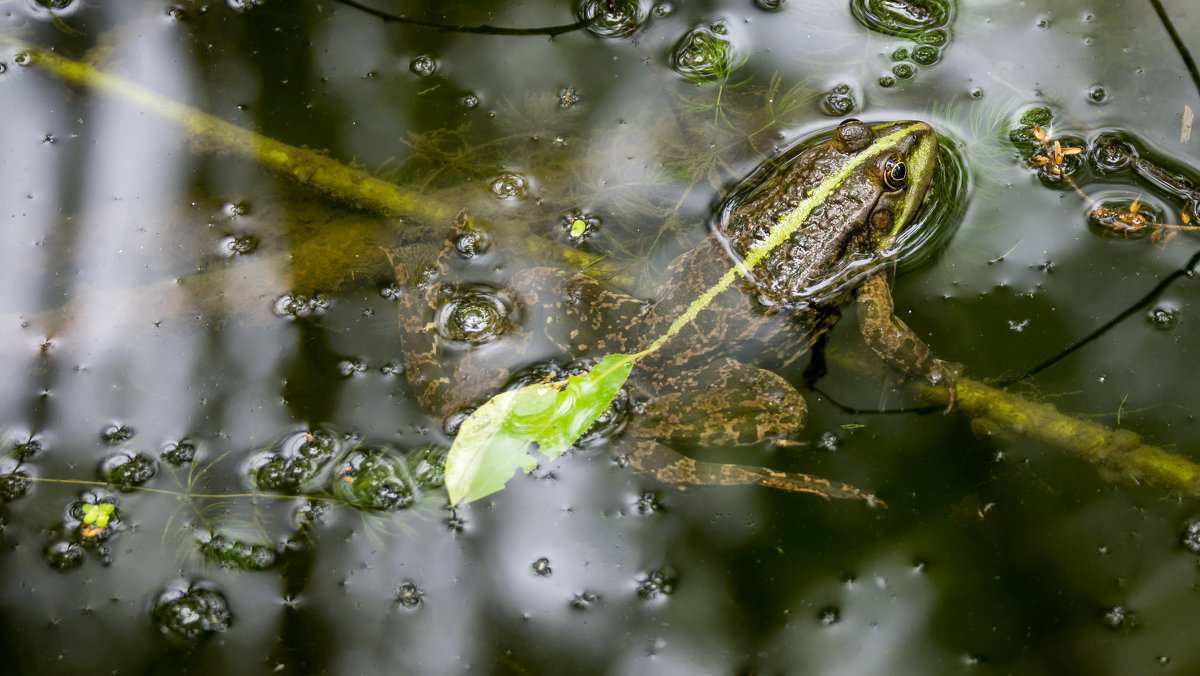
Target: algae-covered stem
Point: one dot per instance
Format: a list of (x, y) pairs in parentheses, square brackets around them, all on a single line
[(306, 167), (1117, 452)]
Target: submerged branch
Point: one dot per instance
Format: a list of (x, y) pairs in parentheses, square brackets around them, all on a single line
[(306, 167), (1114, 452)]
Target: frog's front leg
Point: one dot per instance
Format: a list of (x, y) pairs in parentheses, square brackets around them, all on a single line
[(723, 403), (894, 341)]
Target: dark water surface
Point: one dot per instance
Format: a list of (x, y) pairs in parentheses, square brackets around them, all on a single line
[(224, 344)]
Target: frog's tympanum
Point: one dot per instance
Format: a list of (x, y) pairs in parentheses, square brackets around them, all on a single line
[(709, 385)]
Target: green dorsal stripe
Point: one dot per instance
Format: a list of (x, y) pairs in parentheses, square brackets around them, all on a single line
[(787, 226)]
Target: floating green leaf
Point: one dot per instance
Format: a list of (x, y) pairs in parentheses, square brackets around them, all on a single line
[(98, 514), (494, 441)]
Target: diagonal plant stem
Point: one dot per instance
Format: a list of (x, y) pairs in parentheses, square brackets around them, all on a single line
[(305, 167)]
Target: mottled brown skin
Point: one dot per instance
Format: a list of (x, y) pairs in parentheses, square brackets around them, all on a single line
[(706, 386)]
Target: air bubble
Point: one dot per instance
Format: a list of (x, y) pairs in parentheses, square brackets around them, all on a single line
[(1163, 318), (116, 434), (656, 583), (770, 5), (408, 595), (613, 18), (904, 70), (186, 612), (567, 97), (373, 479), (179, 454), (472, 316), (704, 54), (238, 245), (423, 66), (829, 617), (351, 367), (126, 471), (903, 19), (839, 101), (509, 186)]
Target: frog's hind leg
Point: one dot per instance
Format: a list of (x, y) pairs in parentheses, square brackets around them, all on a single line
[(723, 403), (671, 467)]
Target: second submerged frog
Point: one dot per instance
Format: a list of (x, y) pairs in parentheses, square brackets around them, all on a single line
[(710, 384)]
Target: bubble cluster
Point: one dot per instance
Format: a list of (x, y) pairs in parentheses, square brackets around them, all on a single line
[(925, 24), (89, 522), (351, 367), (179, 453), (408, 595), (423, 65), (289, 305), (829, 617), (656, 583), (373, 479), (567, 97), (126, 469), (1097, 94), (1191, 536), (613, 18), (472, 242), (296, 464), (238, 245), (839, 101), (427, 466), (648, 503), (509, 186), (580, 225), (902, 19), (705, 53), (116, 434), (27, 450), (15, 481), (187, 611), (473, 315), (237, 554), (1163, 318)]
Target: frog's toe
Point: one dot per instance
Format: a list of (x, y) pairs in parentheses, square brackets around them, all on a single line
[(945, 375)]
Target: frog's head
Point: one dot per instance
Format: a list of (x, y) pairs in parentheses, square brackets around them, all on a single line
[(822, 222), (897, 161)]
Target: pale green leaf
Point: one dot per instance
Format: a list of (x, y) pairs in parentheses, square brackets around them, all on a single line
[(494, 442)]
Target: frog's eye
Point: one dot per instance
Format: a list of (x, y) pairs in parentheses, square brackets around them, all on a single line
[(895, 173)]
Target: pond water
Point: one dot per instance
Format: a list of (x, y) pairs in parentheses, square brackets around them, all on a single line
[(211, 347)]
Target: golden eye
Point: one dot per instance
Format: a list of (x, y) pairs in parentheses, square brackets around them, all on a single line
[(895, 173)]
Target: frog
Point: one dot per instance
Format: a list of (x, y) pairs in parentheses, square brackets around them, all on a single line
[(712, 384)]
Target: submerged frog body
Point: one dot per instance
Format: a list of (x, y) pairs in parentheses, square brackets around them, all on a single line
[(707, 385)]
